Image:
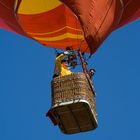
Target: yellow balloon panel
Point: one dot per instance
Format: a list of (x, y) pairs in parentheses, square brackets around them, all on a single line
[(37, 6)]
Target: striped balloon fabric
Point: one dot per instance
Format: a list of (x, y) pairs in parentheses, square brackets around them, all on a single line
[(61, 23)]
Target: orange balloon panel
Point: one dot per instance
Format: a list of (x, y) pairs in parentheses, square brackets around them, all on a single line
[(51, 23)]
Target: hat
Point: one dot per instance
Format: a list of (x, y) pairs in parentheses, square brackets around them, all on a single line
[(64, 60), (58, 54)]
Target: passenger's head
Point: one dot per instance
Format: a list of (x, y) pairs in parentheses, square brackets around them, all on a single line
[(64, 62), (58, 54), (68, 48), (91, 72)]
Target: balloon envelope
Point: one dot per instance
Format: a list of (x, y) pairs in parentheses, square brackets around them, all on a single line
[(85, 23)]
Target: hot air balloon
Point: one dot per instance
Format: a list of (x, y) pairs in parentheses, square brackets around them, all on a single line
[(81, 24)]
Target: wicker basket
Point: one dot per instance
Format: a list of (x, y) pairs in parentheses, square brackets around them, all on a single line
[(73, 103)]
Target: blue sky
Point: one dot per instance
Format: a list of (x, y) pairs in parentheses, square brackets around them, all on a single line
[(26, 69)]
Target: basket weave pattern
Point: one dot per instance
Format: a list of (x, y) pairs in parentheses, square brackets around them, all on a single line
[(72, 87)]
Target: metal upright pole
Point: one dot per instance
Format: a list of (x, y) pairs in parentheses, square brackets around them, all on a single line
[(83, 63), (85, 70)]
